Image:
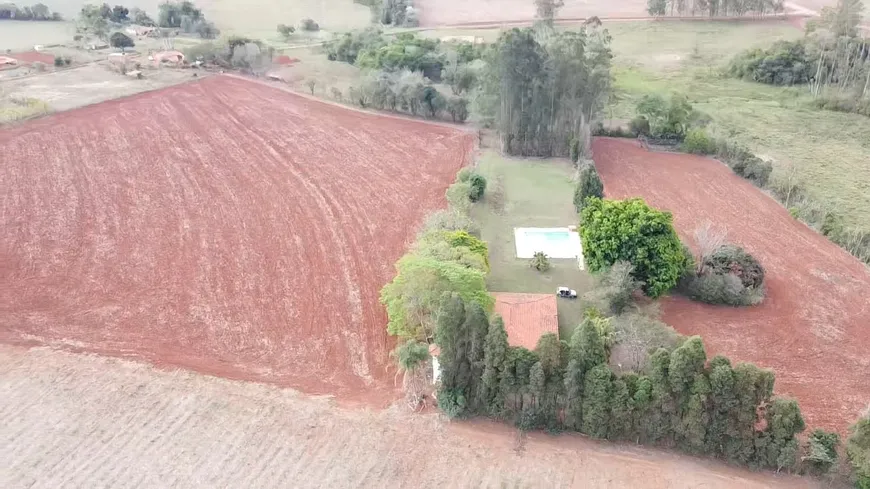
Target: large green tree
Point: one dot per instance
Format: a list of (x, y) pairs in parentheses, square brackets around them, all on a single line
[(416, 293), (630, 230), (494, 353)]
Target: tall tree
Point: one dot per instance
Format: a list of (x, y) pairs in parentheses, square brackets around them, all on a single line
[(596, 401), (495, 350)]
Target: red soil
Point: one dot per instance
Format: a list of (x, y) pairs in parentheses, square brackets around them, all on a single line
[(223, 226), (33, 57), (813, 327)]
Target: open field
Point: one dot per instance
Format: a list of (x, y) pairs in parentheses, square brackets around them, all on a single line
[(811, 327), (23, 35), (441, 12), (529, 193), (88, 84), (224, 226), (84, 421), (828, 149)]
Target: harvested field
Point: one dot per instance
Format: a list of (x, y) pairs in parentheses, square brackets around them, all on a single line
[(811, 327), (224, 225), (83, 421)]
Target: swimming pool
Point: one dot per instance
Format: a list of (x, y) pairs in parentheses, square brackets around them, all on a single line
[(555, 242)]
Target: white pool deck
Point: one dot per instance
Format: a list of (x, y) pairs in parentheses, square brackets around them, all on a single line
[(531, 240)]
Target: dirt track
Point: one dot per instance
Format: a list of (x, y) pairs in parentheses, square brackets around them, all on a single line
[(84, 421), (812, 327), (223, 226)]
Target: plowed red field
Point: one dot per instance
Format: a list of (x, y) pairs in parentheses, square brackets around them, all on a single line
[(813, 327), (224, 226)]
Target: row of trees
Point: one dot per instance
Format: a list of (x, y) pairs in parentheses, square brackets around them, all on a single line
[(715, 8), (97, 20), (37, 11), (446, 258), (541, 89), (682, 399), (407, 92)]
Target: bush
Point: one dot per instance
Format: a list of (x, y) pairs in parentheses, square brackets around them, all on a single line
[(285, 30), (785, 63), (309, 25), (452, 403), (458, 197), (821, 451), (58, 61), (457, 107), (697, 142), (639, 126), (588, 185), (728, 276), (477, 182), (121, 40), (629, 230), (615, 288), (743, 162), (858, 449), (540, 261)]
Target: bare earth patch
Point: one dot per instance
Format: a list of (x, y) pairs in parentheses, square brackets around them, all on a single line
[(223, 226), (812, 326), (73, 420)]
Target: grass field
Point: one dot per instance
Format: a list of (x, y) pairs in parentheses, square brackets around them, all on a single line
[(529, 193), (828, 149)]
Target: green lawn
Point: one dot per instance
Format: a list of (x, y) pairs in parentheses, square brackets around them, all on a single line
[(830, 150), (529, 193)]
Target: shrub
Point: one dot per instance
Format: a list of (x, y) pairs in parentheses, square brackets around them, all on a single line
[(285, 30), (821, 452), (639, 126), (629, 230), (452, 403), (540, 261), (697, 142), (784, 63), (729, 276), (457, 107), (464, 174), (858, 449), (58, 61), (309, 25), (121, 40), (458, 197), (588, 185), (477, 182), (731, 259), (743, 162), (616, 287)]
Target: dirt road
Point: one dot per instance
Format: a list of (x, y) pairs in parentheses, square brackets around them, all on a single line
[(71, 420)]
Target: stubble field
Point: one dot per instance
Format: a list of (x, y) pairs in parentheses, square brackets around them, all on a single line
[(812, 326), (223, 226), (83, 421)]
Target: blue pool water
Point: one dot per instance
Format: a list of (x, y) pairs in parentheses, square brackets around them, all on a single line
[(548, 236)]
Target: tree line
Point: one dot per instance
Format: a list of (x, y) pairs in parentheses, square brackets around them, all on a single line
[(715, 8), (37, 11), (541, 89), (684, 400)]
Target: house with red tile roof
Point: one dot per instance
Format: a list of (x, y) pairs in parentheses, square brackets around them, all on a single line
[(527, 316)]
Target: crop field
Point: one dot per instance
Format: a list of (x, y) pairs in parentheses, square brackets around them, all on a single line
[(811, 327), (224, 226), (74, 420), (529, 193), (827, 151)]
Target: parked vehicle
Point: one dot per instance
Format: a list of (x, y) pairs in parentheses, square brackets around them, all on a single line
[(566, 292)]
